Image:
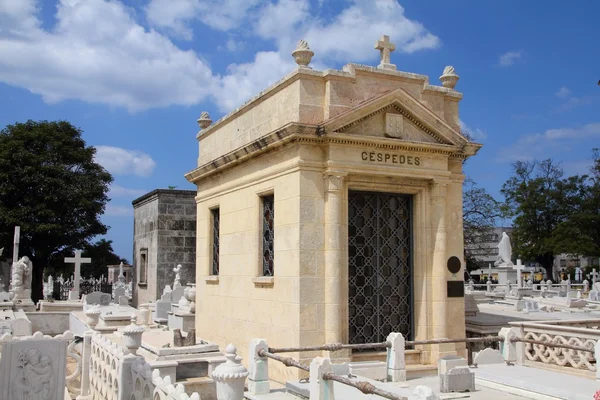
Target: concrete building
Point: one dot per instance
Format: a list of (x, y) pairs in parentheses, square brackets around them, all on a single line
[(164, 235), (318, 185)]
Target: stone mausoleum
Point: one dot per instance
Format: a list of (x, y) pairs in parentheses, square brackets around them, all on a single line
[(164, 235), (328, 208)]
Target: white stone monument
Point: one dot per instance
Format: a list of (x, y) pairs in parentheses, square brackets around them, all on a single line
[(33, 369), (504, 264), (77, 260), (21, 275)]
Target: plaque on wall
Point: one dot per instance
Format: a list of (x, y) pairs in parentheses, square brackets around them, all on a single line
[(456, 289), (453, 264)]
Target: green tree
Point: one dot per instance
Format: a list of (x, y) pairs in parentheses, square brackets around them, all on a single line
[(579, 234), (539, 202), (51, 187), (480, 212), (101, 253)]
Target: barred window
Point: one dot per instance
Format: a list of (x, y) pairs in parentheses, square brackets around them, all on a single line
[(268, 234), (216, 216)]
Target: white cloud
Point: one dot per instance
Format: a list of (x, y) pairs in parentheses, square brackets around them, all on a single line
[(563, 92), (570, 102), (243, 81), (349, 36), (121, 161), (509, 58), (118, 211), (529, 147), (117, 62), (120, 63), (120, 191), (176, 16), (477, 134)]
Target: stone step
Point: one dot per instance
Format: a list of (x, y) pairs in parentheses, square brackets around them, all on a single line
[(411, 357)]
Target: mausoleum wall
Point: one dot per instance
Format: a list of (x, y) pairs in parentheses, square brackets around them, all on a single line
[(145, 236), (240, 304)]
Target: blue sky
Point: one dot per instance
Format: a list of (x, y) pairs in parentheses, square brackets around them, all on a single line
[(134, 75)]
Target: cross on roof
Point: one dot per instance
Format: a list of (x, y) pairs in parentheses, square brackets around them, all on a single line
[(385, 47)]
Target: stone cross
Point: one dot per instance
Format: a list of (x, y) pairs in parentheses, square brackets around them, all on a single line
[(385, 47), (519, 267), (16, 244), (77, 260)]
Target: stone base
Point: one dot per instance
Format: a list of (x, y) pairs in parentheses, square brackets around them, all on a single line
[(25, 305), (459, 379), (506, 273), (185, 322), (67, 306)]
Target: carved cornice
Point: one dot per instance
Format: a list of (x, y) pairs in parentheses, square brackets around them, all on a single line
[(309, 134)]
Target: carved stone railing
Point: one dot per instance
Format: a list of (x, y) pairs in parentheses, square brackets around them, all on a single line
[(148, 384), (558, 333)]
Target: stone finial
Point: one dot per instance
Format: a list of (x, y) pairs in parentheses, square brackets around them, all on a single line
[(385, 47), (204, 121), (93, 316), (132, 335), (230, 376), (449, 77), (303, 54)]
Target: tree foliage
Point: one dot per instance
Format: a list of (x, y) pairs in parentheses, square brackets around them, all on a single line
[(52, 188), (553, 214), (101, 253), (480, 212)]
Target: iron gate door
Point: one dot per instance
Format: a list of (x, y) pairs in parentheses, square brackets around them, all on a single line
[(380, 266)]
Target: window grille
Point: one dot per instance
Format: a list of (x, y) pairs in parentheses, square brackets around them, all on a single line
[(216, 217), (268, 234)]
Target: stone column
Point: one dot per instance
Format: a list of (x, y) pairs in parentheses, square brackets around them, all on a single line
[(439, 271), (335, 271), (86, 364)]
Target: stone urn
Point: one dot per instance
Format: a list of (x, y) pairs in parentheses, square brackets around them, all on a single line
[(132, 335), (191, 297), (204, 121), (92, 316), (303, 54), (230, 376), (449, 77)]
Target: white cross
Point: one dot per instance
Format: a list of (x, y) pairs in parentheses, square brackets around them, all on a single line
[(519, 267), (77, 260), (16, 244), (385, 47)]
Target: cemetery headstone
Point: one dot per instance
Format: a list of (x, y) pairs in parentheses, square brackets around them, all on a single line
[(458, 379), (33, 369)]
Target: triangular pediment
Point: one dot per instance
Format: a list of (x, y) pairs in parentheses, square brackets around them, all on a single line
[(395, 115)]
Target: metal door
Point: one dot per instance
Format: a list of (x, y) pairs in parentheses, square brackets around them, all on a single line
[(380, 266)]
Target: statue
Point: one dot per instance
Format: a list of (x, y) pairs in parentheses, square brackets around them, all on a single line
[(21, 279), (177, 271), (504, 251)]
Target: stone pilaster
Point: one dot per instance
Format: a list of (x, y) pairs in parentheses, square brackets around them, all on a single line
[(335, 261), (438, 228)]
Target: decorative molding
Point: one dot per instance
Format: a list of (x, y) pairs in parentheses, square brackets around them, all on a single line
[(405, 114), (334, 181)]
